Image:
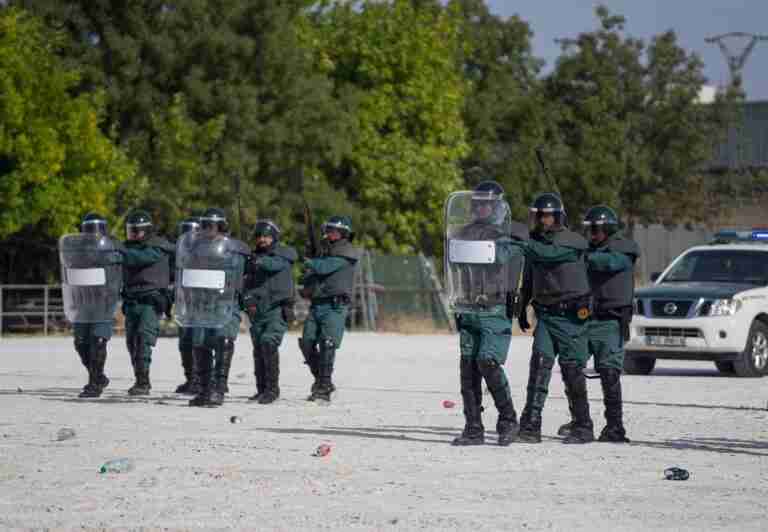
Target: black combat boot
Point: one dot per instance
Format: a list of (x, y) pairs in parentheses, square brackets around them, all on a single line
[(191, 386), (100, 345), (204, 365), (325, 386), (97, 381), (84, 351), (142, 386), (474, 432), (223, 361), (565, 429), (539, 374), (506, 426), (271, 374), (258, 372), (576, 388), (610, 379), (311, 359)]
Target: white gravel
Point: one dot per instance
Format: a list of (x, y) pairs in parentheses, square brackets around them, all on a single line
[(391, 466)]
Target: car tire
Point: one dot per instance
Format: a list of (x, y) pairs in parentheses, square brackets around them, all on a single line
[(638, 365), (725, 367), (753, 362)]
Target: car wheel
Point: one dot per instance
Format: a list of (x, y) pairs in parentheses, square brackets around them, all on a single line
[(753, 362), (725, 367), (638, 365)]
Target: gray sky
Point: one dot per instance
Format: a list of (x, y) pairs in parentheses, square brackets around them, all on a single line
[(692, 20)]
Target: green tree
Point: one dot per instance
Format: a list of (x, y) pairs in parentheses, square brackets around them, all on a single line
[(56, 162), (628, 114), (400, 61), (504, 113)]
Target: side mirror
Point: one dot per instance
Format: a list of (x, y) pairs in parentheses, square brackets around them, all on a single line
[(655, 276)]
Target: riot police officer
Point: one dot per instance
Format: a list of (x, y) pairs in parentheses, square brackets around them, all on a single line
[(146, 272), (557, 285), (211, 266), (191, 385), (328, 282), (268, 299), (610, 266), (482, 273), (91, 281)]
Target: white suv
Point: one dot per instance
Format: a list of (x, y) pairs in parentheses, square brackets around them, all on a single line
[(711, 303)]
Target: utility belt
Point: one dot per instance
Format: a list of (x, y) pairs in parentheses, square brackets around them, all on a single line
[(341, 299), (157, 299), (582, 307)]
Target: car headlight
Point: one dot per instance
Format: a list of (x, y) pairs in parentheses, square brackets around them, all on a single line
[(724, 307)]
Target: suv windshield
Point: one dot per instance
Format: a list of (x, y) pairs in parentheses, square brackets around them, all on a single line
[(720, 266)]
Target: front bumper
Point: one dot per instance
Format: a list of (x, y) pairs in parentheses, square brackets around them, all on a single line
[(704, 338)]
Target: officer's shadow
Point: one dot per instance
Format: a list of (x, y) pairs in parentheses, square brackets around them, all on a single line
[(70, 395), (387, 432)]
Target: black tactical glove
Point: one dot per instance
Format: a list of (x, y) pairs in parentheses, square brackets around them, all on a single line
[(522, 320)]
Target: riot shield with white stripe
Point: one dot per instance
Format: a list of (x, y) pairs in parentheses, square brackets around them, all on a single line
[(482, 267), (209, 276), (91, 277)]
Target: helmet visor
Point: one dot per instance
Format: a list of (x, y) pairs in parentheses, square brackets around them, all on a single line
[(545, 220)]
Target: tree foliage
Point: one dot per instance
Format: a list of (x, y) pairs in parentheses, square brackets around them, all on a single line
[(400, 61), (55, 161), (629, 115)]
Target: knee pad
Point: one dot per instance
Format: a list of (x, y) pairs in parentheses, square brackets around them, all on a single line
[(487, 366), (544, 361), (609, 376)]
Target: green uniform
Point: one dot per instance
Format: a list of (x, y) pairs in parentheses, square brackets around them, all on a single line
[(485, 328), (606, 341), (146, 267), (557, 284), (329, 279), (268, 324)]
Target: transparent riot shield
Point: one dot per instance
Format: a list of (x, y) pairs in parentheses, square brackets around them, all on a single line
[(482, 266), (91, 277), (209, 276)]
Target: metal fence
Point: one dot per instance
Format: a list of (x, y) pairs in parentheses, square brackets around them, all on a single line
[(31, 307), (389, 293)]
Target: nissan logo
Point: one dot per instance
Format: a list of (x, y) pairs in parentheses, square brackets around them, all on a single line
[(670, 308)]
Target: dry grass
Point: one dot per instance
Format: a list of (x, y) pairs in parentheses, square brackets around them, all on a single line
[(405, 324)]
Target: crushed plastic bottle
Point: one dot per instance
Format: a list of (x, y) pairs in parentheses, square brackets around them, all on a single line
[(676, 473), (120, 465), (322, 450), (65, 434)]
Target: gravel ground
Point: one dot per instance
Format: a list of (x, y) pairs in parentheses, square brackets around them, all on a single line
[(391, 466)]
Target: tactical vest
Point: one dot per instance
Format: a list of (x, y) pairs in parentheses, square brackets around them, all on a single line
[(340, 282), (555, 283), (156, 276), (491, 281), (272, 287), (615, 289)]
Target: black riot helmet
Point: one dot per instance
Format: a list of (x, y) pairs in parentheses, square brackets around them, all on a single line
[(342, 224), (544, 205), (214, 217), (94, 223), (188, 224), (488, 204), (266, 227), (601, 217), (139, 221)]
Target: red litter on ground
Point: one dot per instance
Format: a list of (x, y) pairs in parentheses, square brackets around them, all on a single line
[(322, 450), (448, 403)]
